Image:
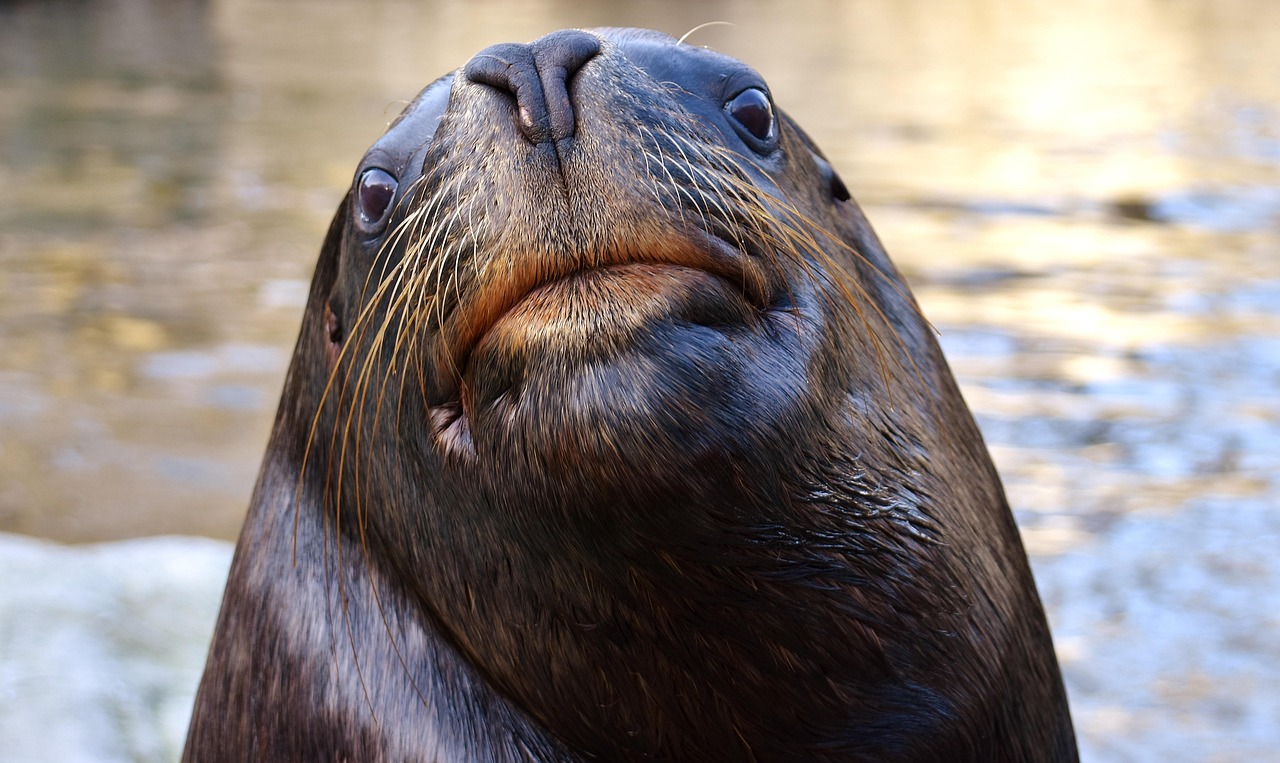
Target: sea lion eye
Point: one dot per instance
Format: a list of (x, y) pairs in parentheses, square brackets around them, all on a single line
[(373, 194), (751, 109)]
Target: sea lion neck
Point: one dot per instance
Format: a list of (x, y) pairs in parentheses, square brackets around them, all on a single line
[(717, 588)]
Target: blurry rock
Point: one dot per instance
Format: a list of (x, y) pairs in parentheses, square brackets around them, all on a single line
[(101, 647)]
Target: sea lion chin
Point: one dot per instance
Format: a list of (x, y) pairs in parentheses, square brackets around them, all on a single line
[(612, 433)]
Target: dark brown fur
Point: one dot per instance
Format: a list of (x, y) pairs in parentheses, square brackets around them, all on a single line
[(621, 439)]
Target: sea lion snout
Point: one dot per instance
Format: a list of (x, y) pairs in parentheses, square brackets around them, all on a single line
[(581, 222), (536, 76)]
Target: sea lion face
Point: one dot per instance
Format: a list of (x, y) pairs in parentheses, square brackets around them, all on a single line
[(591, 248), (607, 343)]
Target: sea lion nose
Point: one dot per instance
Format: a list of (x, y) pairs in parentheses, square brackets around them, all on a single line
[(537, 76)]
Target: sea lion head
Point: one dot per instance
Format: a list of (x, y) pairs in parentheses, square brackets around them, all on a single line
[(602, 239), (605, 365)]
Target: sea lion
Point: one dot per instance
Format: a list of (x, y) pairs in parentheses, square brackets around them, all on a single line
[(612, 434)]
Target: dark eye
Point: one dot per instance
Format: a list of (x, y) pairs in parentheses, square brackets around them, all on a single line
[(752, 110), (373, 196)]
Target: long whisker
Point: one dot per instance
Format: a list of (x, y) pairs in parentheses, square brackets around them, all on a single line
[(700, 27)]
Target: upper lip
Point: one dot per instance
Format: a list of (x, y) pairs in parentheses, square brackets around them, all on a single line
[(472, 319)]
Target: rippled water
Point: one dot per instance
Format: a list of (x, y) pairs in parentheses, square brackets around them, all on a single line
[(1085, 197)]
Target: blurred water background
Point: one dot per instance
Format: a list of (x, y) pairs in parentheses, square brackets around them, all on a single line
[(1085, 197)]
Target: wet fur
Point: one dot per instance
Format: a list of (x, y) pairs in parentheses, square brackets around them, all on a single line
[(792, 549)]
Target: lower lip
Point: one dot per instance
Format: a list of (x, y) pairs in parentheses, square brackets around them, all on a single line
[(616, 301)]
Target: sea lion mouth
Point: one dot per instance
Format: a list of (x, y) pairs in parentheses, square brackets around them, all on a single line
[(557, 309), (702, 279)]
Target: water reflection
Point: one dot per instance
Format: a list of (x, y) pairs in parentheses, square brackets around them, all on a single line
[(1086, 198)]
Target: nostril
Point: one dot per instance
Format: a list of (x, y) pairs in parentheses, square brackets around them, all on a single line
[(536, 77), (506, 67), (562, 54)]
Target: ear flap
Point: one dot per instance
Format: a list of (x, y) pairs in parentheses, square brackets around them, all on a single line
[(837, 187), (327, 266), (856, 229), (883, 281), (308, 370)]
